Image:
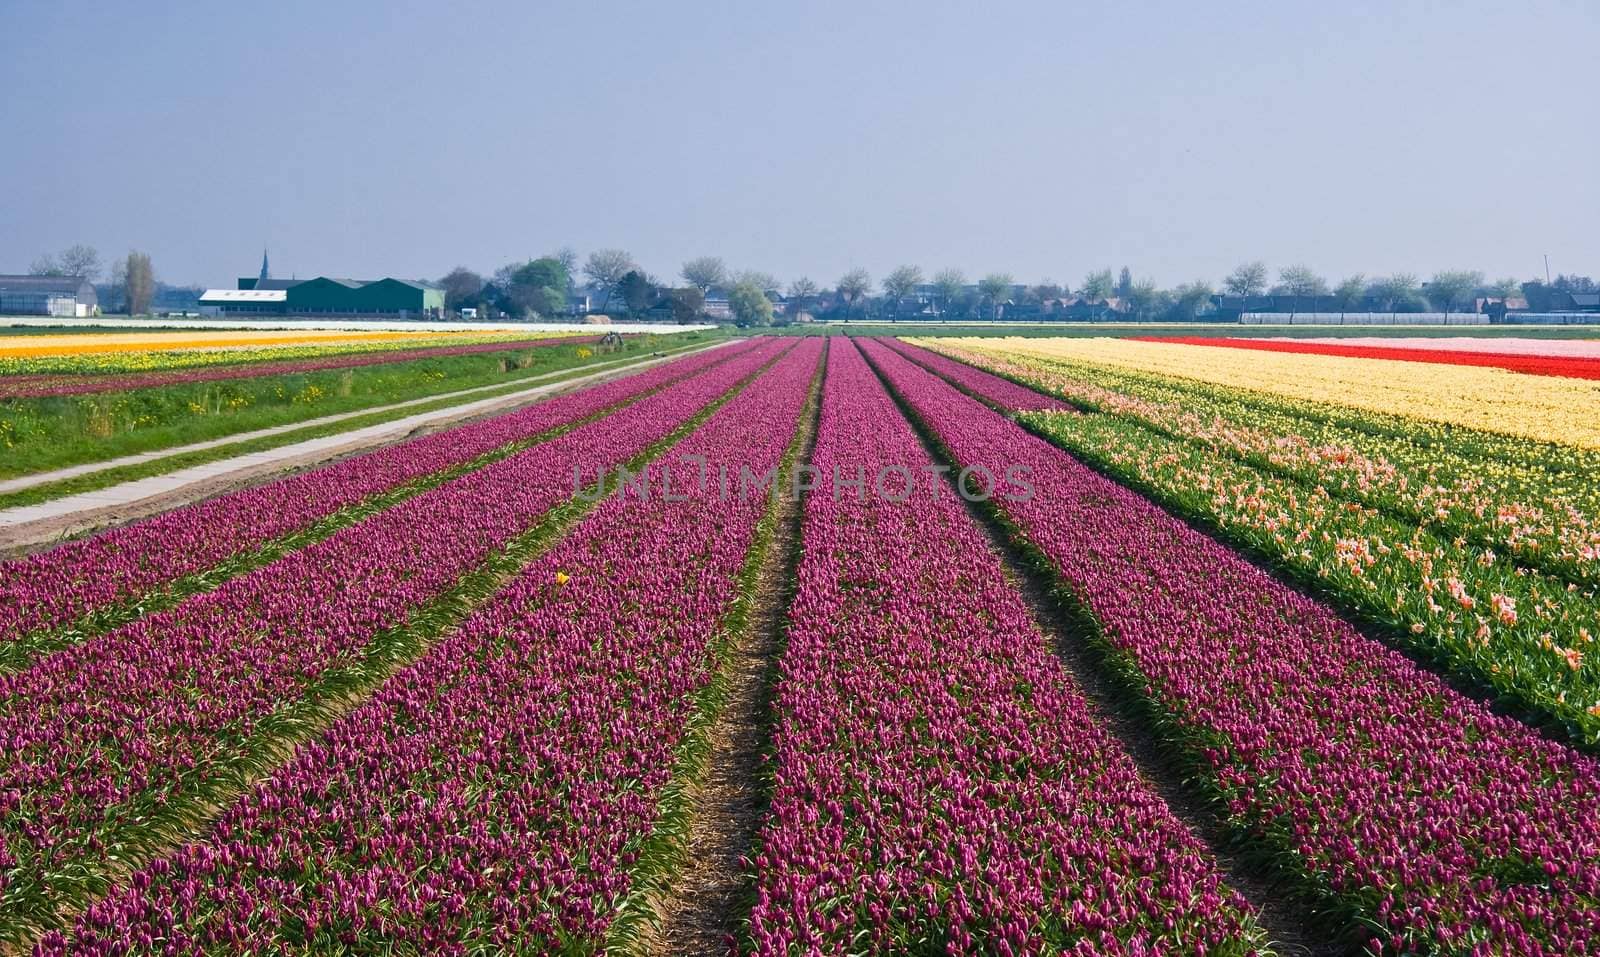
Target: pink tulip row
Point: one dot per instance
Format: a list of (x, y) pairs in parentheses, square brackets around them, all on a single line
[(940, 782), (102, 737), (1445, 826), (42, 385), (492, 796), (56, 589)]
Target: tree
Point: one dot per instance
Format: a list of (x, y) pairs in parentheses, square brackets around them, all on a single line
[(949, 285), (852, 286), (1351, 292), (900, 284), (462, 288), (1124, 287), (800, 291), (568, 258), (1398, 293), (1451, 288), (766, 280), (1189, 299), (539, 286), (1250, 279), (80, 260), (1505, 288), (749, 304), (1097, 286), (140, 283), (1143, 298), (605, 269), (994, 288), (638, 292), (704, 272), (1044, 291), (1301, 281), (687, 304)]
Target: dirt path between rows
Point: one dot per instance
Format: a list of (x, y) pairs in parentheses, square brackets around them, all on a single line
[(708, 904)]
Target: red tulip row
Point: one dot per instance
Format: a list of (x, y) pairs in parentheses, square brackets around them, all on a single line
[(1436, 823), (1575, 367), (493, 796), (52, 591), (114, 745), (940, 783)]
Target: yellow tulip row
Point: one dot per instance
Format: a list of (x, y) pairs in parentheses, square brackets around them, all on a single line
[(1545, 408)]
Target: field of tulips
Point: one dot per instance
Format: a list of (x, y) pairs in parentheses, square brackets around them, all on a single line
[(1417, 812), (117, 742), (498, 793), (940, 786), (79, 588), (1545, 409), (1485, 556), (1570, 366), (1199, 661), (88, 373)]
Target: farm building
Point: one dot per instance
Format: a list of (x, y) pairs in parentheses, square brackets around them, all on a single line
[(61, 296), (327, 296)]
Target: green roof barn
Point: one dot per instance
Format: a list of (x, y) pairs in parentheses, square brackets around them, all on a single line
[(326, 296)]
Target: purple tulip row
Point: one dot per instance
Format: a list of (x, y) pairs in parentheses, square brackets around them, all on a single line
[(991, 388), (1443, 824), (147, 720), (53, 590), (940, 782), (493, 795), (45, 385)]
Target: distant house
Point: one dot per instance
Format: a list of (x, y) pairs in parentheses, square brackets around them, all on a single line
[(1080, 309), (327, 296), (717, 305), (65, 297)]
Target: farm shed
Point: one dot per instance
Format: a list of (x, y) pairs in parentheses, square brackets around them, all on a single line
[(328, 296), (65, 297)]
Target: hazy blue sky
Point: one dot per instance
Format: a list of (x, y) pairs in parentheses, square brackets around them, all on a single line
[(1043, 138)]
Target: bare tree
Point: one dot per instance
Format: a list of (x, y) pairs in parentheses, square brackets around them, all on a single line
[(605, 268), (766, 281), (994, 287), (1449, 289), (140, 282), (852, 286), (1097, 286), (800, 290), (462, 287), (1506, 288), (80, 260), (46, 265), (1189, 299), (1250, 279), (1350, 293), (704, 272), (948, 285), (1301, 281), (900, 284), (1400, 289), (568, 258)]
